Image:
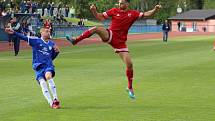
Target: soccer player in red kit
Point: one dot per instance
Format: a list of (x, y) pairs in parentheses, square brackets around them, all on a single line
[(116, 35)]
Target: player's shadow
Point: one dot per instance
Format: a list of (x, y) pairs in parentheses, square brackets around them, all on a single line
[(86, 107)]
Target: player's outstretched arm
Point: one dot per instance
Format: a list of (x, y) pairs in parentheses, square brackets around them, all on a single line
[(11, 31), (98, 16), (30, 40), (153, 11)]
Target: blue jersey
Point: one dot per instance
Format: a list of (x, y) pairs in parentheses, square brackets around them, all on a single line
[(43, 52)]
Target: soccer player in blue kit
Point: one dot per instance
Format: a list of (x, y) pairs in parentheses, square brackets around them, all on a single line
[(44, 52)]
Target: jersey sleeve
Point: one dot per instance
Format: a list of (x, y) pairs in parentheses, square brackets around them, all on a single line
[(32, 41), (109, 13), (137, 14), (54, 53)]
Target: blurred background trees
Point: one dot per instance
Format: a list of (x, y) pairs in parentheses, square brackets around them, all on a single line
[(169, 6)]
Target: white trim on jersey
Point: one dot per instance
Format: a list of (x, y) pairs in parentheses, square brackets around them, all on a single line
[(105, 14), (31, 37), (28, 40), (111, 36), (44, 41), (121, 50), (141, 14)]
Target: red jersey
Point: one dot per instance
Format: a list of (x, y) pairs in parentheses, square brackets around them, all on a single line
[(122, 20)]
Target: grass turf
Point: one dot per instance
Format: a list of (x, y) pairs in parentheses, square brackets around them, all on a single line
[(173, 81)]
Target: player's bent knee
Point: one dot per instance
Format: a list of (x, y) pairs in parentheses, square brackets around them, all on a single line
[(100, 29), (129, 65), (48, 75), (103, 33)]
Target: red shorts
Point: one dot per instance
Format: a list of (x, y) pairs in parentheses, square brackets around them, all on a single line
[(117, 41)]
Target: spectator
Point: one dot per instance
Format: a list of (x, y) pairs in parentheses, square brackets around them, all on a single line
[(22, 6), (27, 31), (12, 5), (63, 11), (27, 7), (166, 29), (15, 25), (1, 12), (179, 26), (67, 10), (72, 12), (2, 5), (81, 22), (62, 19), (30, 6), (52, 9), (59, 6), (43, 8), (34, 7), (204, 29), (49, 8), (30, 28), (2, 8)]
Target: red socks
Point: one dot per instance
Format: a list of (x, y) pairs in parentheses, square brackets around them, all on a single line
[(86, 34), (129, 74)]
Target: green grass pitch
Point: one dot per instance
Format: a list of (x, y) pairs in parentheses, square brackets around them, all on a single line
[(173, 82)]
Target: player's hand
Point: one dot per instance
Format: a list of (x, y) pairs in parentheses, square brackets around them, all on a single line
[(56, 49), (9, 30), (214, 48), (158, 7), (93, 7)]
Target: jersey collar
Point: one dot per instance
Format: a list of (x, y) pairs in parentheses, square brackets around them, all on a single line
[(45, 41)]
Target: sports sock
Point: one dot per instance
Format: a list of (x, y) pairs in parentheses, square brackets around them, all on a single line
[(84, 35), (129, 74), (45, 91), (52, 88)]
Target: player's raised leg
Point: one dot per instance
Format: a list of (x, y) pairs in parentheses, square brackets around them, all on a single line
[(101, 31), (129, 72), (52, 87)]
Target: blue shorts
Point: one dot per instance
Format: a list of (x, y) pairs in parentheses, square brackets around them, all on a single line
[(42, 69)]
